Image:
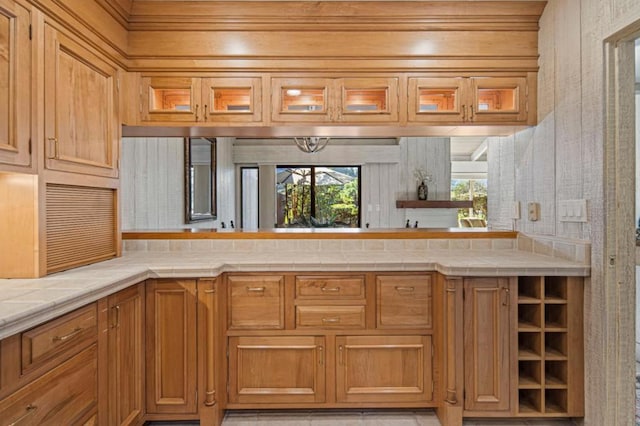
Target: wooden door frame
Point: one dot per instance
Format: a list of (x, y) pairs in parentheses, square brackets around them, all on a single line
[(617, 259)]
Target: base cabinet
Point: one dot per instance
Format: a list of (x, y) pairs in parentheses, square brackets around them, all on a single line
[(277, 369), (126, 356), (487, 344), (171, 361), (66, 395), (384, 369)]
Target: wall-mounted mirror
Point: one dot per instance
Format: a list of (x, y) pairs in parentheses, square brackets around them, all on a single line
[(200, 179)]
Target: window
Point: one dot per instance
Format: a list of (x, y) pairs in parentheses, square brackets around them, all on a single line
[(318, 196), (471, 189)]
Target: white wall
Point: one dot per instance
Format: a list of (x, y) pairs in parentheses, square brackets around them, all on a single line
[(152, 184), (563, 158)]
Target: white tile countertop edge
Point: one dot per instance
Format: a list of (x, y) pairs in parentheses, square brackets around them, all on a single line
[(25, 303)]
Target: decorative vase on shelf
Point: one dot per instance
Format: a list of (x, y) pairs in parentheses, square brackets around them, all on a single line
[(423, 191)]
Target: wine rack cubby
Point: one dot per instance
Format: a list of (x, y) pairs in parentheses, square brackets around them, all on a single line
[(550, 347)]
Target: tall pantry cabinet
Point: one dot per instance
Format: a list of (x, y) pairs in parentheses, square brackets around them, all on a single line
[(59, 141)]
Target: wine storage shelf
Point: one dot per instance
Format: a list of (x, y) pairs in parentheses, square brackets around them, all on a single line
[(550, 347)]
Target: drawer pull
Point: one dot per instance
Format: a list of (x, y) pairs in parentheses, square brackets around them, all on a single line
[(31, 409), (331, 320), (407, 289), (330, 289), (67, 336), (256, 289)]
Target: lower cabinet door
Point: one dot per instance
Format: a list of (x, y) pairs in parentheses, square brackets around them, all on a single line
[(487, 329), (277, 369), (67, 395), (384, 369), (171, 346)]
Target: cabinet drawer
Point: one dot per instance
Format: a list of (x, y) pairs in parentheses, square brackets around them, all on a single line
[(330, 316), (66, 395), (404, 301), (256, 302), (63, 336), (318, 287)]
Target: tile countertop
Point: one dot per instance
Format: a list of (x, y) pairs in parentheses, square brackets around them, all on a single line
[(25, 303)]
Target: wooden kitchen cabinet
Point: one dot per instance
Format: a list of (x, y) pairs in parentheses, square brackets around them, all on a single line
[(404, 301), (171, 358), (125, 356), (255, 302), (489, 336), (472, 100), (384, 369), (334, 100), (277, 369), (66, 395), (15, 83), (82, 129), (221, 100)]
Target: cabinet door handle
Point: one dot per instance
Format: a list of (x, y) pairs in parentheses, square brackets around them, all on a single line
[(204, 116), (341, 351), (320, 355), (507, 292), (330, 320), (330, 289), (31, 409), (464, 113), (67, 336), (471, 114), (53, 141), (197, 109), (116, 316), (405, 289), (256, 289)]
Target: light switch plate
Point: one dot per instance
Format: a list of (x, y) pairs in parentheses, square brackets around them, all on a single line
[(573, 210), (533, 211), (515, 213)]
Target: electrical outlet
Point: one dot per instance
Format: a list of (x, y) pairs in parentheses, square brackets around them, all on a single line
[(533, 211)]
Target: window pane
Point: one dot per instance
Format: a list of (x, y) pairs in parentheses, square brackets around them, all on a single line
[(169, 99), (232, 99), (471, 189), (336, 197), (303, 100), (437, 100), (365, 100), (497, 99), (318, 196)]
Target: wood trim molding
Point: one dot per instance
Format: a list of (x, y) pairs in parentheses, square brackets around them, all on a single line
[(433, 204), (318, 234)]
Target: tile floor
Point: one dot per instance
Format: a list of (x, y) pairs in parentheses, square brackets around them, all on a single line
[(355, 418)]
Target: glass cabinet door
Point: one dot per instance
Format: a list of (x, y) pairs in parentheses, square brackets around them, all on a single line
[(499, 99), (232, 99), (15, 84), (368, 99), (437, 100), (300, 99), (171, 99)]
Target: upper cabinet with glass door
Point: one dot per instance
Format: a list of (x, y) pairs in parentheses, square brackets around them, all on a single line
[(15, 83), (472, 100), (203, 100), (334, 100)]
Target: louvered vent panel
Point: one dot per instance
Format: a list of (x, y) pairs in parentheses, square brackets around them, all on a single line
[(81, 225)]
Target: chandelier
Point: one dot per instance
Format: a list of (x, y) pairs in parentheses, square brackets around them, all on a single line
[(311, 144)]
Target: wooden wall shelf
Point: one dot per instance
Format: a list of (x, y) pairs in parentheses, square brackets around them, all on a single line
[(433, 204)]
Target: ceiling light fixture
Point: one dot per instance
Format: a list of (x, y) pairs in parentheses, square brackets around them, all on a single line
[(311, 144)]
